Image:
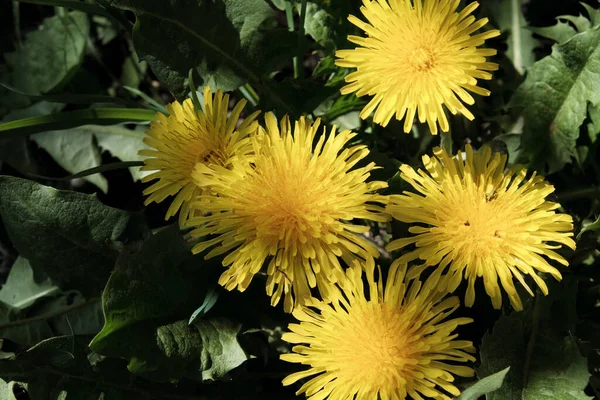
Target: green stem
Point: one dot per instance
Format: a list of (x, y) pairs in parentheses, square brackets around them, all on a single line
[(91, 171), (299, 60), (17, 22), (194, 91), (579, 193), (250, 94)]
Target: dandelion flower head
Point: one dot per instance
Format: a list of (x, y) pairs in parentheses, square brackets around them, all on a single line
[(474, 218), (417, 56), (293, 207), (389, 344), (188, 137)]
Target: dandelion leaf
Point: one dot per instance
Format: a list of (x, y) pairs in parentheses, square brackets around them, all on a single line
[(150, 297), (537, 345), (49, 56), (484, 386), (554, 99), (72, 237), (509, 18), (228, 42)]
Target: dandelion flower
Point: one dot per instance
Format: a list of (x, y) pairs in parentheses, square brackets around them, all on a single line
[(189, 137), (393, 343), (294, 207), (475, 218), (418, 56)]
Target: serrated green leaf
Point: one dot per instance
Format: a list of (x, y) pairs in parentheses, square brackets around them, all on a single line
[(536, 343), (569, 25), (554, 98), (70, 236), (509, 18), (23, 288), (484, 386), (50, 55), (228, 42), (74, 150), (560, 33)]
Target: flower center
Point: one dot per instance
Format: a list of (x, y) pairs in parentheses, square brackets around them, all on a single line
[(481, 223), (421, 59), (376, 346)]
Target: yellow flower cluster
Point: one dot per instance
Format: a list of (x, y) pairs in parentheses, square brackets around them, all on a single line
[(290, 202)]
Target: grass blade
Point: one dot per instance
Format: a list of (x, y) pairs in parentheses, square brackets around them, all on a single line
[(73, 119)]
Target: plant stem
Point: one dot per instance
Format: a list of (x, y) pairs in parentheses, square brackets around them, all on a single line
[(299, 60), (250, 94), (579, 193)]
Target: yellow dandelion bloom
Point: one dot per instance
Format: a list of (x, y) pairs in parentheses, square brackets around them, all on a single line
[(188, 137), (478, 219), (294, 207), (389, 345), (418, 56)]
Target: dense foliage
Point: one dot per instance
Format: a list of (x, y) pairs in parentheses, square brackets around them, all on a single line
[(104, 299)]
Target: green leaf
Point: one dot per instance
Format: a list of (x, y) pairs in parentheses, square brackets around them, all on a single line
[(74, 150), (64, 314), (22, 289), (122, 143), (536, 343), (60, 368), (221, 351), (569, 25), (166, 347), (70, 236), (6, 391), (509, 18), (50, 55), (554, 100), (228, 42), (591, 227), (320, 25), (163, 265), (74, 119), (484, 386)]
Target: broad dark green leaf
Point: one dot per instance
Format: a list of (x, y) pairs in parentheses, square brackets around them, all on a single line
[(537, 345), (70, 236), (554, 98), (50, 55), (147, 297), (228, 42)]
